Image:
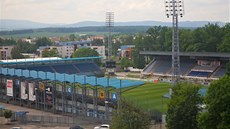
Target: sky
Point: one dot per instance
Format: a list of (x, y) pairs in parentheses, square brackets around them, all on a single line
[(73, 11)]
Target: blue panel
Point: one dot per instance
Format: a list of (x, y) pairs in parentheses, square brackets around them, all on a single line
[(11, 72), (102, 81), (26, 73), (50, 76), (60, 77), (69, 78), (80, 79), (91, 80), (113, 81), (4, 71), (41, 75), (34, 74), (18, 72)]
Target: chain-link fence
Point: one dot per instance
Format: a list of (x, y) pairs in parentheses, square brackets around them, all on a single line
[(54, 120)]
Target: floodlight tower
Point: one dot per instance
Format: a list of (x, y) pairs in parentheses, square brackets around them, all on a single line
[(175, 8), (109, 21)]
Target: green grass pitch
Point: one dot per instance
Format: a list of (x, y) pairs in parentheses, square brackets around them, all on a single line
[(149, 96)]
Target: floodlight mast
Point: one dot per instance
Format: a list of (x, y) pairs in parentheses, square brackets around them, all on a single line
[(109, 24), (174, 8)]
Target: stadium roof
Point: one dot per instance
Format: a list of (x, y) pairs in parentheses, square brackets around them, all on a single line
[(194, 54), (123, 47), (30, 59), (49, 59), (71, 78)]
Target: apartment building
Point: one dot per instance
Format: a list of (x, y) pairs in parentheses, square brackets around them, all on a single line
[(100, 50), (5, 52)]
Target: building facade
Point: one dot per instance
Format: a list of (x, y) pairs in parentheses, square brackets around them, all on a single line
[(65, 51), (126, 51), (5, 52), (100, 50)]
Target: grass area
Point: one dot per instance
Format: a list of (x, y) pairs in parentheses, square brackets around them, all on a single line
[(149, 96)]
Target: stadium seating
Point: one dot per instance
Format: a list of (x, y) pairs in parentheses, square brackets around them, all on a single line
[(186, 66), (149, 67), (87, 67), (65, 68), (199, 74), (205, 68), (220, 72), (41, 68), (162, 66)]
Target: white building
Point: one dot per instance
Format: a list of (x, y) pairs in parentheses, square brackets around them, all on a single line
[(100, 50), (65, 51), (5, 52), (43, 48)]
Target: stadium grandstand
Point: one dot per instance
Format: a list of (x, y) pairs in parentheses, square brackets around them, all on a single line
[(72, 86), (199, 65)]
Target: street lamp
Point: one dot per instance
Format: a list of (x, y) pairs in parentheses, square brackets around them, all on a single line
[(175, 8)]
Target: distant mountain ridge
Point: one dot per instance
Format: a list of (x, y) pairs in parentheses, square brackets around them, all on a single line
[(6, 24)]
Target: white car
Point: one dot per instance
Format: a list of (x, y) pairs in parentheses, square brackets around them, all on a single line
[(16, 128), (97, 127), (103, 126)]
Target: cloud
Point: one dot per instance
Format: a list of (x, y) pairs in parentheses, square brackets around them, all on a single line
[(71, 11)]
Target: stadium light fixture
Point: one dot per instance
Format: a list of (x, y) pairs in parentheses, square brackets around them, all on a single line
[(175, 8), (109, 22)]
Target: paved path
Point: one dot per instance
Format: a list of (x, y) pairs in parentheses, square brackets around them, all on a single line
[(86, 123)]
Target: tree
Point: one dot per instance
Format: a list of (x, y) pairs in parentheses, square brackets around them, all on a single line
[(7, 42), (16, 53), (130, 116), (217, 114), (225, 46), (138, 60), (85, 52), (26, 47), (43, 42), (72, 37), (183, 107), (7, 113), (97, 42), (50, 53), (125, 62), (127, 40), (228, 69)]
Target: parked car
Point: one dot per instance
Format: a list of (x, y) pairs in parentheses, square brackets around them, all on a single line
[(16, 128), (97, 127), (103, 126), (76, 127)]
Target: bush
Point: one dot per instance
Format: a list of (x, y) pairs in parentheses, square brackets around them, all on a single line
[(7, 114)]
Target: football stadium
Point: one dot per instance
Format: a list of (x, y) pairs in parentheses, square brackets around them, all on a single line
[(77, 86), (72, 86)]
